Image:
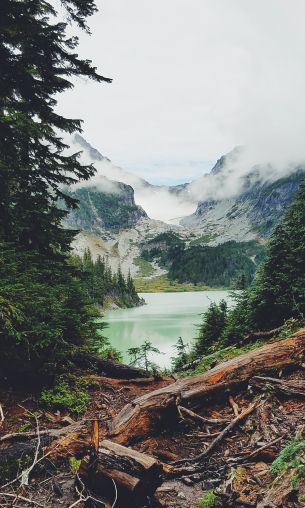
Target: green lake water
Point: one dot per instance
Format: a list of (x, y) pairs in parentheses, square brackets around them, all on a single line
[(164, 318)]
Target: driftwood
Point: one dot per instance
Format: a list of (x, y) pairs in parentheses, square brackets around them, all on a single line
[(134, 474), (294, 387), (152, 411), (108, 367)]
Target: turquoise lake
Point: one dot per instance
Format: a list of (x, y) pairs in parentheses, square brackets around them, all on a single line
[(164, 318)]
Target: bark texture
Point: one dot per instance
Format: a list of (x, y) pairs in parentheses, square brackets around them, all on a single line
[(150, 412)]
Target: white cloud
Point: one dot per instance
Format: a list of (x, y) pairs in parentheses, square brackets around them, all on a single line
[(193, 79)]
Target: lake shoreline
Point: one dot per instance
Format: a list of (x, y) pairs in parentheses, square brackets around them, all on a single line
[(162, 284), (165, 317)]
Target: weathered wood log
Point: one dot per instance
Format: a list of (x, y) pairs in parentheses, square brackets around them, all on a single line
[(294, 387), (148, 413), (56, 439), (134, 474), (108, 367)]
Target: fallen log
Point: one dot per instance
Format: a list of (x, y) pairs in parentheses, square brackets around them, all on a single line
[(57, 439), (134, 474), (154, 410), (294, 387), (108, 366)]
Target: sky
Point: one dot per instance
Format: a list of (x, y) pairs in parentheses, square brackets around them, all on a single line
[(192, 79)]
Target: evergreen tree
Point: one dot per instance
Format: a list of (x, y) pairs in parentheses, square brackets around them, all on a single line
[(278, 292), (212, 327), (140, 355), (182, 356), (45, 312)]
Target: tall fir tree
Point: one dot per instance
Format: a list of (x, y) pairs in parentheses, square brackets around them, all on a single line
[(44, 313)]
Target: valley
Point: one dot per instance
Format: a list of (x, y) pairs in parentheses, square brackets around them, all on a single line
[(120, 216)]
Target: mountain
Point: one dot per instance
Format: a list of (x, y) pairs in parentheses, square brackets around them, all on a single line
[(112, 210), (252, 214), (119, 213)]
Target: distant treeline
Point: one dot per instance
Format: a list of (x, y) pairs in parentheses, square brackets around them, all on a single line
[(231, 264), (100, 282)]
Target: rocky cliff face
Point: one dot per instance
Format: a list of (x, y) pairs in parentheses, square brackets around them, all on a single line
[(252, 215), (99, 210)]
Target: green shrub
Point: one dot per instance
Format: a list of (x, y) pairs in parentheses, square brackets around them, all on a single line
[(74, 464), (208, 500), (62, 396), (291, 458)]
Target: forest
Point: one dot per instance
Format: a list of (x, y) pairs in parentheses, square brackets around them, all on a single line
[(229, 265)]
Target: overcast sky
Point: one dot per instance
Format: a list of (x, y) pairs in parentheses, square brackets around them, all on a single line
[(191, 80)]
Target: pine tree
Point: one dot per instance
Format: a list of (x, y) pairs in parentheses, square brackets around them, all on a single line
[(211, 329), (46, 312), (278, 292)]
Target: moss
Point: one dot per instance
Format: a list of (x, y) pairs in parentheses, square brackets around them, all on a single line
[(23, 427), (208, 361), (291, 460), (74, 464)]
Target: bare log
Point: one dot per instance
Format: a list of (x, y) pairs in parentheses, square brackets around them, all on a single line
[(148, 413), (136, 475), (108, 367)]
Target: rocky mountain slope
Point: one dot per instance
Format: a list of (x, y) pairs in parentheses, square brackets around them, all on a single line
[(252, 214), (120, 212)]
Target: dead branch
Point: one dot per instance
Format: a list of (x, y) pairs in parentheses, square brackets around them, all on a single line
[(1, 416), (220, 437), (234, 405), (22, 498), (201, 419), (26, 473), (260, 449)]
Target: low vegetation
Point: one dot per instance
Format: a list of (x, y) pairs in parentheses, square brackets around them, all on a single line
[(145, 267), (162, 284)]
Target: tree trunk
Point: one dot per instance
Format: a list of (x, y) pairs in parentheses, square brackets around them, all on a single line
[(108, 367), (132, 474), (150, 412)]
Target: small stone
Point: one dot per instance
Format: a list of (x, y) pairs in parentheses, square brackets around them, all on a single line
[(187, 481), (181, 495)]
